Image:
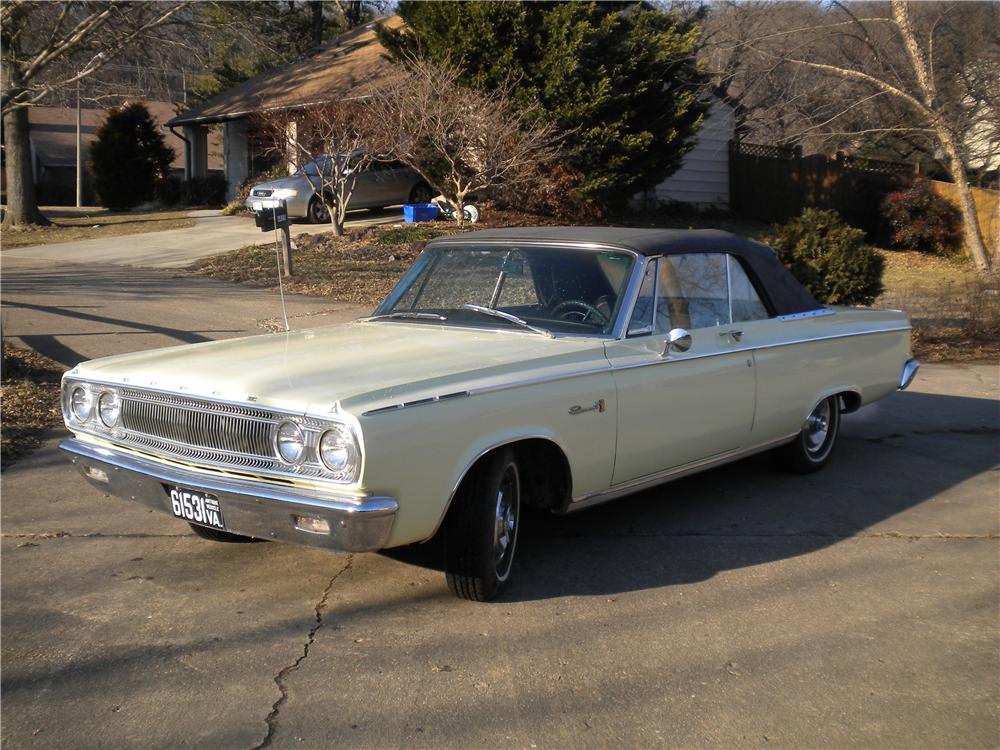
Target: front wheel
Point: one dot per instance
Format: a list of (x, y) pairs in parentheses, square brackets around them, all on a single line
[(814, 444), (318, 213), (482, 526)]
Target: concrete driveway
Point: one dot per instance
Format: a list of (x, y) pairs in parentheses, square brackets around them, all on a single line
[(856, 607), (212, 234)]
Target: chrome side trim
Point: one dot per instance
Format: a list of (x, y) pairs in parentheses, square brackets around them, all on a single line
[(757, 347), (909, 372), (357, 523), (808, 314), (487, 389), (642, 483), (612, 368), (417, 402)]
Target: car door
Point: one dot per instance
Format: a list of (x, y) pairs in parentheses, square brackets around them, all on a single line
[(681, 407)]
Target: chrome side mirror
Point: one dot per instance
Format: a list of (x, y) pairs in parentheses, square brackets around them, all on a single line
[(678, 342)]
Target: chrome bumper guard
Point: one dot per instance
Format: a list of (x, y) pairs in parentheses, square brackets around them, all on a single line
[(248, 508), (909, 372)]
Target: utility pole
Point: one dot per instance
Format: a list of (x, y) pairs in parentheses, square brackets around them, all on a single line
[(79, 130), (79, 151)]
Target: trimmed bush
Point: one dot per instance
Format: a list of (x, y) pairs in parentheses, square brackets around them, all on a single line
[(829, 258), (204, 191), (922, 220), (168, 191), (128, 157)]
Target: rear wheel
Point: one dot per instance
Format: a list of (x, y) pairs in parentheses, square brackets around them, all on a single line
[(214, 535), (814, 444), (481, 532)]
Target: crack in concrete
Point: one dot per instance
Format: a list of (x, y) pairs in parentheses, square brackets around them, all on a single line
[(279, 679)]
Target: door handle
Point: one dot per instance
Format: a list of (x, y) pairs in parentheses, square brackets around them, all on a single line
[(737, 335)]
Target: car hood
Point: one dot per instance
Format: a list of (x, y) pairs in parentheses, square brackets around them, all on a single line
[(360, 365), (294, 181)]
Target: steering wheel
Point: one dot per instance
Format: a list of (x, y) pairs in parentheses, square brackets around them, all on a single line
[(579, 311)]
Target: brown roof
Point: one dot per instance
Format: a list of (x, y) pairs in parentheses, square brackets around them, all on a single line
[(53, 134), (346, 68)]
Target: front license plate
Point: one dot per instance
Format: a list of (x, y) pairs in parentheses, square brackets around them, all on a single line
[(199, 507), (258, 205)]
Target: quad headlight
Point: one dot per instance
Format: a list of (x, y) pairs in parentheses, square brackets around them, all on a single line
[(340, 453), (335, 446), (290, 442), (109, 408), (81, 403)]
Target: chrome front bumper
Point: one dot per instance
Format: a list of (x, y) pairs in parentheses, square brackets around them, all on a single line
[(248, 508), (909, 372)]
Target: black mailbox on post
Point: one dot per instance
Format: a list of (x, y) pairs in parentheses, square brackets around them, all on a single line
[(269, 219)]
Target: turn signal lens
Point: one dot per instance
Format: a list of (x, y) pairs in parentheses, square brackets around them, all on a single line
[(290, 442)]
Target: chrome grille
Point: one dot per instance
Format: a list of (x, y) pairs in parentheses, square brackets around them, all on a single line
[(234, 430), (262, 193), (210, 433)]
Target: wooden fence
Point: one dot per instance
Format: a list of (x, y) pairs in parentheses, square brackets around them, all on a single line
[(987, 208), (774, 183)]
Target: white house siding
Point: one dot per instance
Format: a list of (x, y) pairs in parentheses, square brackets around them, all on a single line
[(703, 178)]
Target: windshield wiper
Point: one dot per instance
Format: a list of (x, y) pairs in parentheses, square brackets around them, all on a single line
[(508, 317), (410, 315)]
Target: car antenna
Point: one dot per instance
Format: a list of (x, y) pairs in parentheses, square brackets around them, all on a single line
[(277, 258)]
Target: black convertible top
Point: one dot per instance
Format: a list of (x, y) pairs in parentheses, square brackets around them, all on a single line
[(784, 293)]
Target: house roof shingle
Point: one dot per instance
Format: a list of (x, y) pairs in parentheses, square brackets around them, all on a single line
[(347, 68)]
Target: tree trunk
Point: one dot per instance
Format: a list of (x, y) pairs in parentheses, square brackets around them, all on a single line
[(970, 217), (336, 220), (22, 205)]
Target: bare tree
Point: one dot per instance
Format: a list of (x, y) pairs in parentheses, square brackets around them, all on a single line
[(47, 46), (461, 140), (923, 75), (331, 144)]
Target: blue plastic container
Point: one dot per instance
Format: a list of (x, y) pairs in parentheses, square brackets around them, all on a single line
[(413, 212)]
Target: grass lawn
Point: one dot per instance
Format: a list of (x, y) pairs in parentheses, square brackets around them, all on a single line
[(956, 315), (30, 401), (89, 223)]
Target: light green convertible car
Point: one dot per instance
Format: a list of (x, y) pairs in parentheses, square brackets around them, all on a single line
[(556, 368)]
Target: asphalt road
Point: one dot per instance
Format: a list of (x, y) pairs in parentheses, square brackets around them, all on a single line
[(743, 607)]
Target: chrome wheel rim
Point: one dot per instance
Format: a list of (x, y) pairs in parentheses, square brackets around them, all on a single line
[(817, 427), (320, 212), (505, 521)]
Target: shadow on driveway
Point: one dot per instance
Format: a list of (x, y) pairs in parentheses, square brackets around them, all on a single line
[(750, 513)]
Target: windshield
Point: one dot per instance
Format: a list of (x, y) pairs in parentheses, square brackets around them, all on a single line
[(556, 289), (313, 168)]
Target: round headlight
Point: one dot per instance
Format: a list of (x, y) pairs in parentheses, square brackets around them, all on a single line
[(109, 407), (290, 442), (81, 403), (339, 452)]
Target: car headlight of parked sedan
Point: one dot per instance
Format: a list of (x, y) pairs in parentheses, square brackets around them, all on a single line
[(283, 194)]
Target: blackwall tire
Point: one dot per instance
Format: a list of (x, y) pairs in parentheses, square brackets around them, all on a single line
[(482, 528), (813, 446)]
